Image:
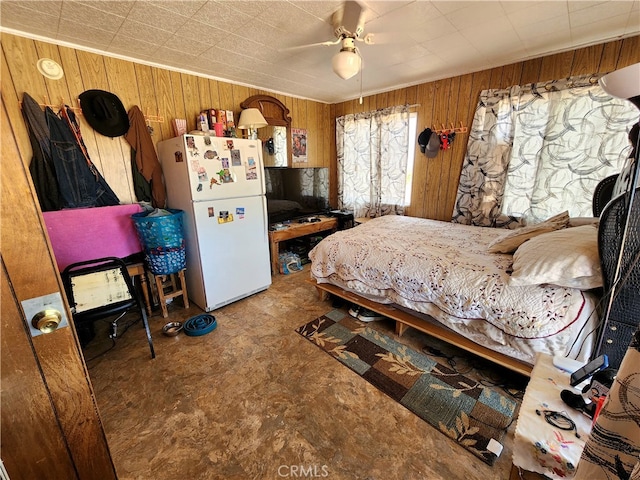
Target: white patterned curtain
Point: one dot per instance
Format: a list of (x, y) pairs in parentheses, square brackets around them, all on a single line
[(539, 149), (372, 150)]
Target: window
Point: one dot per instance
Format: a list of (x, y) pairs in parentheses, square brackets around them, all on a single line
[(539, 149), (373, 154), (563, 145)]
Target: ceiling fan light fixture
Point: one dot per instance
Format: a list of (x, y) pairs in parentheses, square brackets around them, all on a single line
[(346, 63)]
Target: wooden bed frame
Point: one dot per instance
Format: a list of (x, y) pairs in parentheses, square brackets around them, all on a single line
[(405, 320)]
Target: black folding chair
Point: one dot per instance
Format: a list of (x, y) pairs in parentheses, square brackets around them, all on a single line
[(102, 288)]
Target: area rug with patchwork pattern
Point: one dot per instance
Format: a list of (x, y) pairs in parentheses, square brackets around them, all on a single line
[(475, 416)]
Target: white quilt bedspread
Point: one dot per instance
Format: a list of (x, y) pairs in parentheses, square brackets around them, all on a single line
[(422, 263)]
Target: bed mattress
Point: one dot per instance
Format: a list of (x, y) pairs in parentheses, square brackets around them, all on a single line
[(444, 270)]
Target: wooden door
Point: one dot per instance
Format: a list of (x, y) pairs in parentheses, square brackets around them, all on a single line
[(50, 426)]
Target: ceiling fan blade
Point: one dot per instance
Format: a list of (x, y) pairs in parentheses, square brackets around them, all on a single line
[(352, 17), (299, 47), (348, 20)]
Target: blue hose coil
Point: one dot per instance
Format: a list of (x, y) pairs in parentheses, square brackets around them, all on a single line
[(200, 325)]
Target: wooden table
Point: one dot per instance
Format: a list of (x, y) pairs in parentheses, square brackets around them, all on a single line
[(296, 230), (138, 270)]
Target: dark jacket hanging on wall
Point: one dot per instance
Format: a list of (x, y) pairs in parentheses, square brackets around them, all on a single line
[(104, 195), (61, 169), (77, 184), (41, 167), (145, 156), (80, 185)]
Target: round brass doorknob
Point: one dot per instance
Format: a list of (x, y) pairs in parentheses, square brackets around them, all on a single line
[(46, 320)]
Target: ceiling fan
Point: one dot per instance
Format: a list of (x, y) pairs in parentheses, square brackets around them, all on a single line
[(348, 27)]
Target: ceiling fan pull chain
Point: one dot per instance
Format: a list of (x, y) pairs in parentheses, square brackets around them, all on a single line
[(360, 75)]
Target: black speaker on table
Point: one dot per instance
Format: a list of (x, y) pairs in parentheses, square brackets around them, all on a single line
[(345, 219)]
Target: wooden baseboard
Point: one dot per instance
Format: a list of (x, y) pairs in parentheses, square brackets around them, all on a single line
[(404, 320)]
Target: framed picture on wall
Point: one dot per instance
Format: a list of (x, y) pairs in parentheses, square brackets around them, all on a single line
[(299, 145)]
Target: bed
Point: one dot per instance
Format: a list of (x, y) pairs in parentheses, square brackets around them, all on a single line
[(441, 278)]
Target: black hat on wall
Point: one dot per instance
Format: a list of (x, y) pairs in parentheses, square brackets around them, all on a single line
[(104, 112), (429, 142)]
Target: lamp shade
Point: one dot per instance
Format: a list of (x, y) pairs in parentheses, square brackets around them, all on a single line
[(251, 118), (346, 63), (623, 83)]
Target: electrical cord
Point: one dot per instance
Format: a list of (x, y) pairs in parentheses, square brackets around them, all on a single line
[(513, 390), (559, 420), (112, 336), (451, 359), (113, 344), (615, 289)]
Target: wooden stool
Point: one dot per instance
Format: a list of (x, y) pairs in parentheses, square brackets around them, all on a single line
[(174, 289)]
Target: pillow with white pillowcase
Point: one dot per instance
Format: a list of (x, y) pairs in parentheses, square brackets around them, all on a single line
[(567, 258), (509, 242)]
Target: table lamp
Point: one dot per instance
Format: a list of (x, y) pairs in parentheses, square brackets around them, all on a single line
[(251, 119)]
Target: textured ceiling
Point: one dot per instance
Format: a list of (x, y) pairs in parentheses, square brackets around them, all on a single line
[(246, 41)]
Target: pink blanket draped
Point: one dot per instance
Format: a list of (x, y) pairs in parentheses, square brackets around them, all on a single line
[(80, 234)]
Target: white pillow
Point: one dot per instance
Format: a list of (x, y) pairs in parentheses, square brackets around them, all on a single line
[(511, 241), (568, 258)]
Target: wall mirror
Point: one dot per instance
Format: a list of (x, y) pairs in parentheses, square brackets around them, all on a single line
[(279, 129)]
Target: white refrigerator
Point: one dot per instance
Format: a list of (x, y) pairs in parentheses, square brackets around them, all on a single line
[(219, 184)]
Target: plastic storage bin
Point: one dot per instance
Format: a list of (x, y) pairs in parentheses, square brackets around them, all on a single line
[(162, 239), (289, 262)]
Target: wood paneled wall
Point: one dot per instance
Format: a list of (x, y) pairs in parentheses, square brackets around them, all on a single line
[(171, 94), (160, 92), (453, 100)]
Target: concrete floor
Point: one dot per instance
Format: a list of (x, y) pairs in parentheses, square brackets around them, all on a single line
[(255, 400)]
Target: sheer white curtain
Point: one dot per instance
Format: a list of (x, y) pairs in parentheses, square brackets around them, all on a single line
[(539, 149), (372, 150)]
